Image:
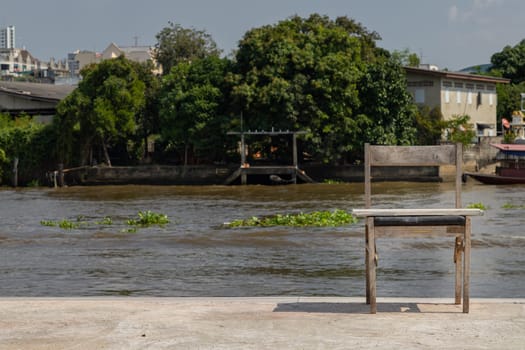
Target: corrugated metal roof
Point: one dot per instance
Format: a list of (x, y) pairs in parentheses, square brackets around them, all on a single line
[(457, 75), (36, 90)]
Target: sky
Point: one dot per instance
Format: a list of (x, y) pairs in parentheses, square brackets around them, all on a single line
[(449, 34)]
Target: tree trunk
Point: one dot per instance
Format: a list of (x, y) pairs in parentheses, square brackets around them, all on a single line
[(186, 148), (106, 154)]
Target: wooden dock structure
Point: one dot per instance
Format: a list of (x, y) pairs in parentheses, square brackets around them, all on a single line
[(273, 171), (244, 172)]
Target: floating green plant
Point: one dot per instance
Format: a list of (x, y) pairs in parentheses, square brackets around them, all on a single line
[(68, 225), (106, 221), (148, 218), (145, 219), (478, 205), (63, 224), (319, 218), (48, 223), (512, 206), (332, 181)]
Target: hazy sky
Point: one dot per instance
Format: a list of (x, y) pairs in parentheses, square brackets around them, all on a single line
[(451, 34)]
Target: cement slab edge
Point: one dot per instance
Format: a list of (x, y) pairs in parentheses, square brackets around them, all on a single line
[(267, 299)]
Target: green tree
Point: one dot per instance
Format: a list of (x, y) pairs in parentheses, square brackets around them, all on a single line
[(31, 143), (459, 129), (176, 44), (193, 108), (317, 74), (510, 62), (386, 104), (406, 58), (103, 109), (429, 125), (148, 122), (509, 99), (3, 160), (303, 74)]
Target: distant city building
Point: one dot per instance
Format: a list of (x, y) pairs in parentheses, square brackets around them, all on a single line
[(81, 58), (7, 38), (17, 62), (135, 53)]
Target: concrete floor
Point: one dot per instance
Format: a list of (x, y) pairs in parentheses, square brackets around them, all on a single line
[(259, 323)]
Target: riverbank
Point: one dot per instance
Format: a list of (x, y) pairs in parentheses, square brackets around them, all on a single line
[(221, 175), (259, 323)]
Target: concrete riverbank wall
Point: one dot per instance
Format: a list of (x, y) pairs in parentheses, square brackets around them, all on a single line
[(475, 157), (217, 175)]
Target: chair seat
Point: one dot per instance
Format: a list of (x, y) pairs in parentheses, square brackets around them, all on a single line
[(433, 220)]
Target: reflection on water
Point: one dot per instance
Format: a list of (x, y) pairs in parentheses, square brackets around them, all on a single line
[(195, 255)]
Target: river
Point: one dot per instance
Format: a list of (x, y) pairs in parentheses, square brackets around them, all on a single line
[(195, 255)]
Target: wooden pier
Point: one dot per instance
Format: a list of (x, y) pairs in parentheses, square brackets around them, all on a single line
[(293, 172), (273, 171)]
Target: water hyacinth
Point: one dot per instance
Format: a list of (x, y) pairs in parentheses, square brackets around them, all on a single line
[(148, 218), (478, 205), (512, 206), (318, 219), (145, 219)]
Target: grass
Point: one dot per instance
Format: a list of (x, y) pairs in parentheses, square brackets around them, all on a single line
[(318, 219)]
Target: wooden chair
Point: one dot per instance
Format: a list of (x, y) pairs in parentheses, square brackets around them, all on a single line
[(425, 220)]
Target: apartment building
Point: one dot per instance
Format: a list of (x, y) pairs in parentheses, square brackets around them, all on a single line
[(457, 94), (7, 38)]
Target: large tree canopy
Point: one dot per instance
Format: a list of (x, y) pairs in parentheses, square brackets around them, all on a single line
[(103, 108), (510, 62), (193, 108), (313, 74), (176, 44), (386, 104)]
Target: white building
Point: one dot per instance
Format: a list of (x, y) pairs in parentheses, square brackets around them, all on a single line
[(81, 58), (7, 38), (17, 62), (457, 94)]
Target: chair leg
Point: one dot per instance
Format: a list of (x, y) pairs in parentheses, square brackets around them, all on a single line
[(466, 266), (458, 261), (370, 265), (367, 268)]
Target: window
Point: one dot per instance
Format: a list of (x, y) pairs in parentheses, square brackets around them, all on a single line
[(447, 96), (420, 83), (458, 97), (469, 97), (420, 96), (491, 99)]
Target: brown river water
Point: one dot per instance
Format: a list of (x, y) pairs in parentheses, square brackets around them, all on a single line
[(195, 255)]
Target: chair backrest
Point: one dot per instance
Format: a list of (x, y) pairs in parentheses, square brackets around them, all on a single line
[(412, 156)]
